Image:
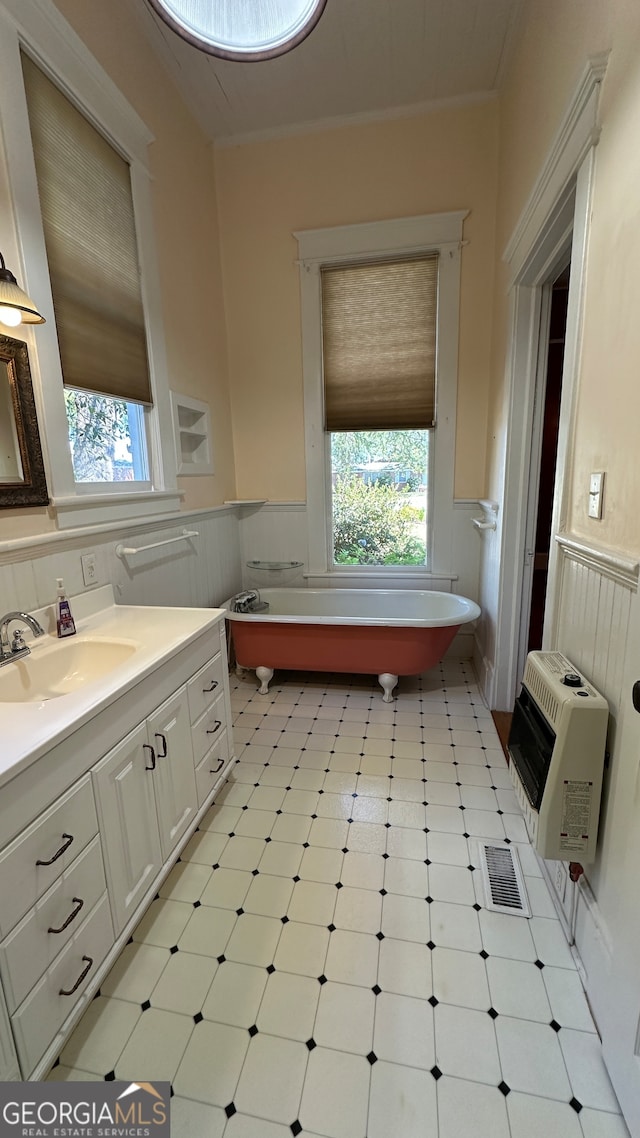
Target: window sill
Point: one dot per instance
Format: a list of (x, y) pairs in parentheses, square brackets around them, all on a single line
[(395, 576), (95, 509)]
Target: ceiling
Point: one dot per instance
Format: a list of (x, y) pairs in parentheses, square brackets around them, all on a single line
[(365, 57)]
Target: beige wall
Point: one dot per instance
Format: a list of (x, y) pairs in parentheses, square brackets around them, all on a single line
[(266, 190), (185, 216)]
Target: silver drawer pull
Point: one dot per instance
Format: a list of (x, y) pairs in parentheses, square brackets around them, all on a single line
[(65, 846), (218, 768), (213, 687), (72, 916), (217, 724), (85, 972)]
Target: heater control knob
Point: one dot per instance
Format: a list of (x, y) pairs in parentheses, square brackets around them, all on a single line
[(572, 680)]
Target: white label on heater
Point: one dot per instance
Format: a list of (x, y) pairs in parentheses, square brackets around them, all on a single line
[(576, 812)]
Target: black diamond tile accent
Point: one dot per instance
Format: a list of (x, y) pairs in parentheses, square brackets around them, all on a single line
[(232, 834), (385, 856), (198, 1017), (221, 959), (427, 861), (508, 841), (382, 892), (380, 936), (372, 1057), (461, 808), (430, 945), (239, 912), (255, 872), (433, 1001), (436, 1072), (345, 850), (504, 1088), (296, 878), (555, 1025), (267, 839), (493, 1013), (387, 825), (245, 807), (319, 792), (322, 979), (338, 885), (314, 816), (499, 811), (216, 866), (270, 969), (130, 940), (295, 1127), (311, 1043), (539, 964), (253, 1030), (484, 955), (465, 835), (285, 920), (331, 928), (145, 1006), (424, 803), (230, 1110), (576, 1104), (477, 907), (376, 990), (197, 904), (429, 900), (471, 867), (287, 788), (305, 845), (110, 1076), (174, 948)]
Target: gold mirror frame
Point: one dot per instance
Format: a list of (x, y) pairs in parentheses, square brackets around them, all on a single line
[(31, 488)]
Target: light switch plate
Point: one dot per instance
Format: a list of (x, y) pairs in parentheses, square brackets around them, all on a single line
[(596, 486)]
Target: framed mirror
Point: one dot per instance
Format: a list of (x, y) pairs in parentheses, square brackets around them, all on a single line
[(22, 476)]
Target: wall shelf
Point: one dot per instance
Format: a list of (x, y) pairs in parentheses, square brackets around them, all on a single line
[(192, 435)]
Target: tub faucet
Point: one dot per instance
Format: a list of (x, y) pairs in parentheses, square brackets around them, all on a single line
[(16, 649)]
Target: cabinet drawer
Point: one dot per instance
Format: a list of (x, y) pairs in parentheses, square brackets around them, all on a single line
[(206, 686), (208, 729), (54, 841), (210, 768), (34, 944), (45, 1009)]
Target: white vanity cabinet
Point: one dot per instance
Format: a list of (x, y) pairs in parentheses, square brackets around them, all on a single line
[(90, 829)]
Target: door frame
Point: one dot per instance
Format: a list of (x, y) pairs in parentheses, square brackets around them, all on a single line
[(557, 215)]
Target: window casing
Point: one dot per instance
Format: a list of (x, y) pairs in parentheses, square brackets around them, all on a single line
[(43, 34), (404, 237)]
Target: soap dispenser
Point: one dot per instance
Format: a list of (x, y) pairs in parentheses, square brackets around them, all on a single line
[(64, 620)]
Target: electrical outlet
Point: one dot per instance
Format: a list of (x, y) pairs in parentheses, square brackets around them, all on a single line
[(89, 569), (596, 486)]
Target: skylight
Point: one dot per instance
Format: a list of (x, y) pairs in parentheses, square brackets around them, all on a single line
[(241, 29)]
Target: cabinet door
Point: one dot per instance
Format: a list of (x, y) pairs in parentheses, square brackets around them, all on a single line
[(169, 732), (9, 1071), (124, 787)]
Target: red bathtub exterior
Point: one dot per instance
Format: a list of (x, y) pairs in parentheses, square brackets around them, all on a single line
[(370, 649)]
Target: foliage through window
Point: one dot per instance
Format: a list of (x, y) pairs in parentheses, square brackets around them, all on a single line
[(107, 438), (379, 484)]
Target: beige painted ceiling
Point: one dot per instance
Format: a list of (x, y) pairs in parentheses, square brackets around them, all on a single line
[(364, 57)]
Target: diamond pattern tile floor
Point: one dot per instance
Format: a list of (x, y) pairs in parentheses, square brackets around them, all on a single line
[(341, 976)]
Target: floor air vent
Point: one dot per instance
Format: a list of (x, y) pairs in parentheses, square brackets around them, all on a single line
[(504, 886)]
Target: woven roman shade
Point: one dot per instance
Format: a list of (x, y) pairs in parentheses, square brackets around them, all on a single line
[(87, 214), (379, 344)]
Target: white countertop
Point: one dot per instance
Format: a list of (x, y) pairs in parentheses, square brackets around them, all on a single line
[(30, 729)]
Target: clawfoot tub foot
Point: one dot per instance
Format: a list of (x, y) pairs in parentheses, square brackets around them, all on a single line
[(387, 681), (264, 675)]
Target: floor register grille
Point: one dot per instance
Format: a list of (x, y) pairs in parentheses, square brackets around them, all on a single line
[(505, 890)]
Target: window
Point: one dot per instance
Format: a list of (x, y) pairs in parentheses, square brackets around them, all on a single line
[(89, 255), (380, 336)]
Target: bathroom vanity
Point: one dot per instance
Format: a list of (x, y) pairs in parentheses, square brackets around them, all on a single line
[(100, 789)]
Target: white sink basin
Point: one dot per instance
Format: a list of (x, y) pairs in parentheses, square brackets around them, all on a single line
[(62, 668)]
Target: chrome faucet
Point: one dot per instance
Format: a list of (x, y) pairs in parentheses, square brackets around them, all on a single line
[(16, 649)]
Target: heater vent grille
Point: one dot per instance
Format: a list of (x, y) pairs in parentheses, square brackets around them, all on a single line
[(505, 890), (543, 696)]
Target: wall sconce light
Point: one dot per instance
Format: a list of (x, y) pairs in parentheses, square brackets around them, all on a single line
[(15, 306)]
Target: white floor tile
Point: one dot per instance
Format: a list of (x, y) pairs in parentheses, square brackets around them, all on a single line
[(550, 941), (380, 765), (531, 1058), (363, 870), (184, 983), (271, 1081), (300, 802), (101, 1035), (438, 765), (587, 1073), (596, 1124), (135, 972), (339, 806), (478, 797), (206, 846), (566, 996), (517, 989), (407, 843), (407, 877), (470, 756), (504, 935), (227, 888), (331, 833), (466, 1044), (451, 849), (255, 823), (405, 968), (186, 882), (221, 819), (406, 918), (196, 1119), (407, 768), (302, 949), (342, 1113), (156, 1047), (163, 923), (235, 994), (291, 828), (470, 1108), (532, 1117), (359, 910), (442, 794), (307, 780), (539, 897), (484, 824), (470, 775), (402, 1102), (313, 902), (337, 782), (242, 853), (451, 883), (455, 926), (254, 940), (366, 837), (460, 978), (211, 1064), (266, 798), (352, 958), (268, 896), (445, 818), (407, 790), (374, 786), (62, 1074), (289, 1006), (403, 1031), (281, 858), (370, 810), (208, 931), (408, 814), (319, 864), (345, 1016)]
